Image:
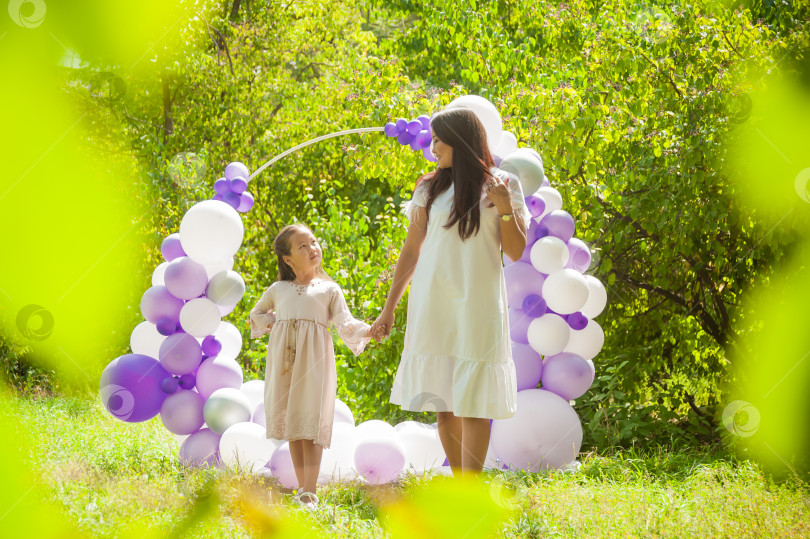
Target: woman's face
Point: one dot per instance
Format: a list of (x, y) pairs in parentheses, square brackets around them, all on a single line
[(442, 152)]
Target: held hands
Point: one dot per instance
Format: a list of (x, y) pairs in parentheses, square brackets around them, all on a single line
[(498, 192), (381, 328)]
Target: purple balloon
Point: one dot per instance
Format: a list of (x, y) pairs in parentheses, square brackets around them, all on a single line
[(222, 186), (414, 127), (425, 119), (170, 385), (171, 247), (157, 302), (188, 381), (390, 129), (402, 125), (428, 155), (579, 255), (166, 326), (519, 325), (536, 205), (424, 139), (415, 146), (541, 231), (182, 412), (130, 387), (560, 224), (211, 346), (528, 366), (534, 306), (232, 199), (185, 278), (577, 321), (245, 203), (568, 375), (522, 280), (180, 353), (238, 185), (236, 169), (218, 197), (201, 449), (405, 138)]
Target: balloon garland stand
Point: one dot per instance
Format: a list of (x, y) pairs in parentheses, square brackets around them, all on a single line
[(183, 363)]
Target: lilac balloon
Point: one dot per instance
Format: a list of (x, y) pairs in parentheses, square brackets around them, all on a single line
[(402, 125), (405, 138), (534, 306), (536, 205), (567, 375), (166, 326), (180, 353), (182, 412), (541, 231), (169, 385), (236, 169), (222, 186), (157, 302), (232, 199), (522, 280), (519, 325), (425, 119), (414, 127), (246, 201), (217, 373), (545, 182), (428, 155), (579, 255), (423, 140), (390, 129), (497, 159), (211, 346), (130, 387), (218, 197), (577, 320), (379, 459), (201, 448), (188, 381), (185, 278), (281, 466), (528, 366), (238, 185), (171, 247), (560, 224), (415, 145)]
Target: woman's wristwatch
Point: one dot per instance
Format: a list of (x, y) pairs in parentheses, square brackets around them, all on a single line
[(506, 216)]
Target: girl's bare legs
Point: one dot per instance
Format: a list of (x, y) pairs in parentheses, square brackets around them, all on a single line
[(450, 434), (465, 441), (306, 456)]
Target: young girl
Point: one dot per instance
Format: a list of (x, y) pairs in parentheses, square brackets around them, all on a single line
[(301, 379)]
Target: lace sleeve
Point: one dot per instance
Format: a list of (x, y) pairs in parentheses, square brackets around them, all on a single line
[(262, 316), (516, 194), (419, 199), (354, 333)]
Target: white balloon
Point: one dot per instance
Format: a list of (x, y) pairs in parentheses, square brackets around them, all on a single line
[(211, 231), (586, 342), (526, 167), (549, 254), (225, 407), (231, 340), (219, 266), (565, 291), (423, 448), (343, 414), (254, 391), (507, 144), (226, 288), (146, 340), (246, 446), (486, 113), (549, 334), (552, 198), (597, 297), (199, 317), (545, 433), (157, 275), (337, 463)]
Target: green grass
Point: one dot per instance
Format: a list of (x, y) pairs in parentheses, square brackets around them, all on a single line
[(111, 478)]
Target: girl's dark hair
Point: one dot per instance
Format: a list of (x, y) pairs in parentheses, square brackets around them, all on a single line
[(281, 247), (461, 129)]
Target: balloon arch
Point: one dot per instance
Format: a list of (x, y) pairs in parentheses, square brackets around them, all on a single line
[(183, 363)]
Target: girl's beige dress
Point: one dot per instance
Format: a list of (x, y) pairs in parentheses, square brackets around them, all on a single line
[(457, 355), (301, 378)]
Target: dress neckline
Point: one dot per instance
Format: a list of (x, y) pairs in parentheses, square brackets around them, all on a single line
[(301, 288)]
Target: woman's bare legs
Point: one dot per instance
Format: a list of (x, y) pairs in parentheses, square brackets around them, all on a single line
[(465, 440), (306, 456)]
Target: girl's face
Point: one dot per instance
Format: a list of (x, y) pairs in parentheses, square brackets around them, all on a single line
[(443, 152), (305, 253)]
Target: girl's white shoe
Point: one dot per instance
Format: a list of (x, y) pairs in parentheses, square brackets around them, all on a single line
[(310, 503)]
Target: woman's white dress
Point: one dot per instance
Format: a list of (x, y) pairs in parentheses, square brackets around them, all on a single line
[(457, 355)]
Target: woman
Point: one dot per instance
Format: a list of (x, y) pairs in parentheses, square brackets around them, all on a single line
[(457, 358)]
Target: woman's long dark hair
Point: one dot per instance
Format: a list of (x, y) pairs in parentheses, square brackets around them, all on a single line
[(461, 129)]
